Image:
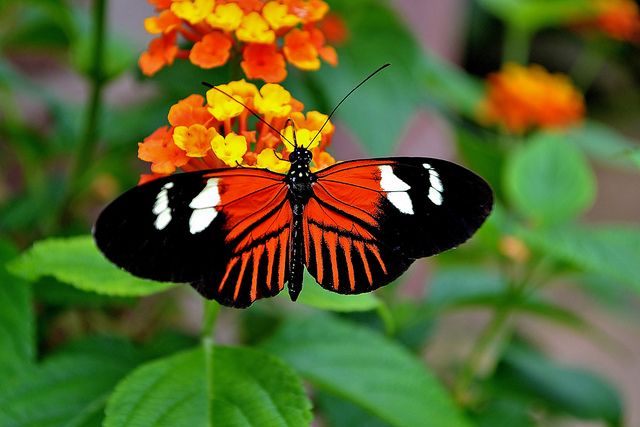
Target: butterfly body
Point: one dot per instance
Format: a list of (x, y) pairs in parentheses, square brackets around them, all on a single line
[(299, 180), (240, 234)]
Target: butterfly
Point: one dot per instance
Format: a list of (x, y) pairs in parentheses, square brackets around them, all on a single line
[(240, 234)]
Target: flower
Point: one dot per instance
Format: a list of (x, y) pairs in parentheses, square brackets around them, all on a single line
[(619, 19), (219, 133), (159, 149), (520, 98), (162, 51), (267, 33)]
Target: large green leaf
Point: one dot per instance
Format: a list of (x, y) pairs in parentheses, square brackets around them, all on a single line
[(549, 180), (315, 296), (532, 15), (611, 251), (368, 370), (69, 389), (561, 388), (78, 262), (245, 388), (17, 334)]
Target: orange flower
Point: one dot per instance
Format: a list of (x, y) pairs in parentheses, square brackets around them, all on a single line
[(619, 19), (164, 23), (262, 61), (197, 140), (267, 32), (159, 149), (189, 111), (300, 51), (520, 98), (162, 51), (212, 51)]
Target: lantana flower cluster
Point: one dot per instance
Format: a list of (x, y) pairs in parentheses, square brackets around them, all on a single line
[(267, 35), (219, 132), (519, 99), (619, 19)]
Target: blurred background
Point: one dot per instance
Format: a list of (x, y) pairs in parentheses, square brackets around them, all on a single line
[(45, 91)]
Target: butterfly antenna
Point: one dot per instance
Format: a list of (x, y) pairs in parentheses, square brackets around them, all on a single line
[(210, 86), (345, 98)]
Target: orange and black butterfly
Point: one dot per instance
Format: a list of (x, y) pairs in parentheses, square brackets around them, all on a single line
[(238, 235)]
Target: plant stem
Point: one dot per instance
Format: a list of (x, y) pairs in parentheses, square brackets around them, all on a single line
[(90, 134), (211, 310), (517, 43), (486, 342)]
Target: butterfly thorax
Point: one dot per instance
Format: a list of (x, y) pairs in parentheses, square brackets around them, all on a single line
[(300, 179)]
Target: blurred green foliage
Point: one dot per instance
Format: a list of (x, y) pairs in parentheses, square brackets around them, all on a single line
[(79, 346)]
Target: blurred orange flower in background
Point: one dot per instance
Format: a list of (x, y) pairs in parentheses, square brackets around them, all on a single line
[(266, 34), (219, 132), (520, 98), (618, 19)]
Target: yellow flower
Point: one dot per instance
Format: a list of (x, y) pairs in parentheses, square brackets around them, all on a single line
[(196, 139), (193, 11), (314, 120), (274, 100), (230, 149), (221, 106), (303, 138), (278, 16), (226, 17), (267, 160), (254, 29)]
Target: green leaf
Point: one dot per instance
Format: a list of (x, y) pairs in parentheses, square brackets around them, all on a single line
[(605, 144), (249, 389), (463, 287), (78, 262), (342, 413), (611, 251), (366, 369), (314, 295), (532, 15), (68, 389), (17, 325), (548, 180), (376, 36), (563, 389)]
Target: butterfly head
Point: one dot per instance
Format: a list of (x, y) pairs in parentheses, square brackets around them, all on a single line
[(301, 156)]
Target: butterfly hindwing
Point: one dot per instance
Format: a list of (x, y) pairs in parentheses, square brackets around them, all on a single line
[(226, 232), (368, 220)]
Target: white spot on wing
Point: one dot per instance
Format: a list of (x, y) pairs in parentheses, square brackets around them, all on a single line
[(396, 190), (436, 187), (402, 201), (161, 207), (201, 219), (209, 197), (390, 182), (203, 206), (435, 196)]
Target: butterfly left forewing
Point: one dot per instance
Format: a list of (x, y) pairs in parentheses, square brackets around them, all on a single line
[(225, 232), (370, 219)]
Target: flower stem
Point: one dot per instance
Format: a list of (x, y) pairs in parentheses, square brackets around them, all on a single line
[(211, 310), (517, 43), (484, 346), (90, 133)]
